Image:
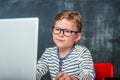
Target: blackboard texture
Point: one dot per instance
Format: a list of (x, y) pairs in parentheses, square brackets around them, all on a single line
[(101, 24)]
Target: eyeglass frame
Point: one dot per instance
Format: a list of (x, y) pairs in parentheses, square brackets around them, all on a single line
[(63, 30)]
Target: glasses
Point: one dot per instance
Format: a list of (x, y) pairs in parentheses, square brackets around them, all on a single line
[(66, 32)]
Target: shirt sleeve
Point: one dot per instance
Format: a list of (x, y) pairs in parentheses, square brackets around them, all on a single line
[(42, 67), (86, 67)]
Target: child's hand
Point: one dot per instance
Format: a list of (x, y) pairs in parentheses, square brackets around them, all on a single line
[(64, 76)]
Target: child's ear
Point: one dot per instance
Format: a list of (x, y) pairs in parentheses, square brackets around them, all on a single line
[(78, 37)]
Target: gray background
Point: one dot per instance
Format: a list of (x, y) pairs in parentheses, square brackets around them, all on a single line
[(101, 24)]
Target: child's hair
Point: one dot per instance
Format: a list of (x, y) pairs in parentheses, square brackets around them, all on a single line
[(70, 15)]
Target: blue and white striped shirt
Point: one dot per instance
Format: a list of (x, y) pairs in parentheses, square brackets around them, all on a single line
[(77, 63)]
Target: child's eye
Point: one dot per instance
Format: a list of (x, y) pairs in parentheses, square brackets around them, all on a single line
[(67, 31), (57, 29)]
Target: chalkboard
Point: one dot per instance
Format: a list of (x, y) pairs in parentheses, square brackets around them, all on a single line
[(101, 24)]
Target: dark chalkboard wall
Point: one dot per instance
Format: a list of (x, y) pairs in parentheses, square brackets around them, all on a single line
[(101, 24)]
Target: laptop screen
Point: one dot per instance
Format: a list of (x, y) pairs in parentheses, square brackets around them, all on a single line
[(18, 48)]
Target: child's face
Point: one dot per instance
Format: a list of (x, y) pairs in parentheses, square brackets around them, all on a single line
[(60, 39)]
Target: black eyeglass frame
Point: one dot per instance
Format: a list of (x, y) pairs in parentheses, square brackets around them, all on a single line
[(76, 32)]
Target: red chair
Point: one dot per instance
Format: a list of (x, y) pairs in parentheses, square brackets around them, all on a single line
[(103, 70)]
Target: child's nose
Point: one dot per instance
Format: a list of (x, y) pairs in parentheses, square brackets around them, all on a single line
[(61, 33)]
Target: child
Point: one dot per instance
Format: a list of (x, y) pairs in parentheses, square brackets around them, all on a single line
[(67, 60)]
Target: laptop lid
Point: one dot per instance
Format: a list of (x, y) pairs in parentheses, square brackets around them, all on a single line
[(18, 48)]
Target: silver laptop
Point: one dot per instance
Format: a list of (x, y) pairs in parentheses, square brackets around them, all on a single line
[(18, 48)]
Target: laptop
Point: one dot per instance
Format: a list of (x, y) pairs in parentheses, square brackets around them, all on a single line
[(18, 48)]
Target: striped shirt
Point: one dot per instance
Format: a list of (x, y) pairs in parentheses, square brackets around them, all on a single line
[(78, 63)]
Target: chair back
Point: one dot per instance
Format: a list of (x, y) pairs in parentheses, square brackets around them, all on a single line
[(103, 70)]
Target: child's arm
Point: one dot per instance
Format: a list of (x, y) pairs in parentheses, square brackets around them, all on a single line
[(42, 67), (86, 67)]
